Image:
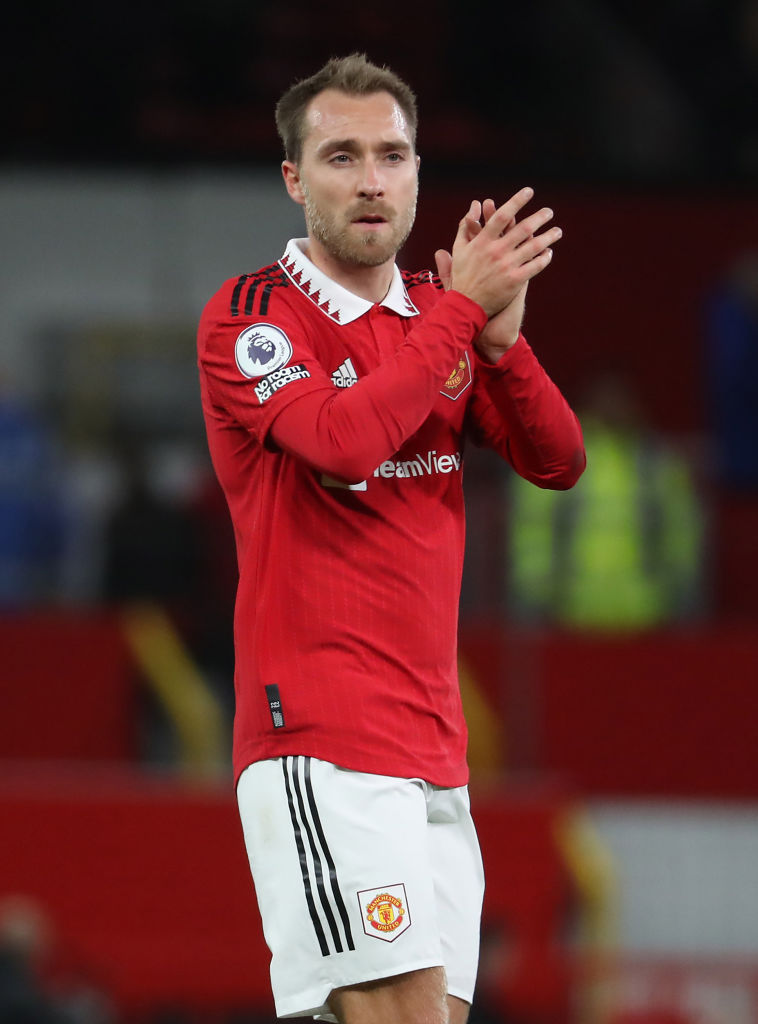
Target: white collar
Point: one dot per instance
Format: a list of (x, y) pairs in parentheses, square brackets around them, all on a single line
[(334, 301)]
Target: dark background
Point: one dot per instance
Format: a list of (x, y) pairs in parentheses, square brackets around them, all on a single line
[(586, 91)]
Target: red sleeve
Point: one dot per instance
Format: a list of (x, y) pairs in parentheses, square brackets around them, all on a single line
[(344, 433), (234, 393), (348, 433), (519, 411)]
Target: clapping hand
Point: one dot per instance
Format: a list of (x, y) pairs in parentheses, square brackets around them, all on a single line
[(514, 252)]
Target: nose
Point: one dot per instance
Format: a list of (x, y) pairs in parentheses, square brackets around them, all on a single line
[(371, 185)]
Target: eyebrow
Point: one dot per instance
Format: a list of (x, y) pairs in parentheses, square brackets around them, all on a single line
[(329, 145)]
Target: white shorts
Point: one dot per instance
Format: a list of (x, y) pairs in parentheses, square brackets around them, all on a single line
[(359, 877)]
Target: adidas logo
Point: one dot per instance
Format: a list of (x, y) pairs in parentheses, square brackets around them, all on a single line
[(345, 376)]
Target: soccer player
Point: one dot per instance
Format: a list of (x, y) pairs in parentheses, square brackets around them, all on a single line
[(338, 393)]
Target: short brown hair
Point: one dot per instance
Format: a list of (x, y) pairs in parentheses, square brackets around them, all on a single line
[(354, 75)]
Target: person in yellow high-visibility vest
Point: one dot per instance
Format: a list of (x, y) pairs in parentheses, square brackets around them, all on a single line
[(624, 549)]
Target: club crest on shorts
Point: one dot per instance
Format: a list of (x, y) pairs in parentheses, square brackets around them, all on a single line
[(384, 912), (261, 349)]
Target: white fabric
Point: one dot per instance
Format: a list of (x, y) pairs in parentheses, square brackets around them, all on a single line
[(392, 866), (332, 299)]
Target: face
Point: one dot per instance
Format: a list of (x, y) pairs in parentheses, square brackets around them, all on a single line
[(357, 177)]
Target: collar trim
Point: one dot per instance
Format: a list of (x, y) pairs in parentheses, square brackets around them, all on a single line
[(334, 301)]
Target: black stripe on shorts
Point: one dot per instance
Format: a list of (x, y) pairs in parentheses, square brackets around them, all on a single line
[(302, 803), (329, 860)]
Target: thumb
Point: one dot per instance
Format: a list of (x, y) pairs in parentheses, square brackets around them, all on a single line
[(444, 262)]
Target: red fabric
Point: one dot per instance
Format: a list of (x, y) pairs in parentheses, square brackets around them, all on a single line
[(348, 597)]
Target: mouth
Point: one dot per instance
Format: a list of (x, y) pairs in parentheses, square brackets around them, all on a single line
[(370, 218)]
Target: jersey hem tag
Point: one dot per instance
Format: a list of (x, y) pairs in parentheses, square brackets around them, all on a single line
[(275, 706)]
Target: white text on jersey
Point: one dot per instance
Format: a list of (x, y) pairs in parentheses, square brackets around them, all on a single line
[(420, 466)]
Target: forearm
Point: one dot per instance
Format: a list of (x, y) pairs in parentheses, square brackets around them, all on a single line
[(529, 420), (347, 433)]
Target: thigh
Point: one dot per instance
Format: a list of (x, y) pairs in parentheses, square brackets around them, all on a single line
[(343, 875), (458, 877), (403, 999)]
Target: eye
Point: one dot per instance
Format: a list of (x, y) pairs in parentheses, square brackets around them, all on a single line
[(395, 158), (339, 158)]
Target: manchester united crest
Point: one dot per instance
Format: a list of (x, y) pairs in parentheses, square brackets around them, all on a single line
[(459, 379), (385, 912)]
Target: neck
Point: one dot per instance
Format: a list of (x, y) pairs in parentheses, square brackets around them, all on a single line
[(370, 283)]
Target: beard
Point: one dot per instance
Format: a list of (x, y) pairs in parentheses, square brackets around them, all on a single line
[(362, 249)]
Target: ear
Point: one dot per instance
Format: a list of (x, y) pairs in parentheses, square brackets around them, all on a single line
[(292, 183)]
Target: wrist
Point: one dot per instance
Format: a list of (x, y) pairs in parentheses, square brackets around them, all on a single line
[(492, 353), (478, 312)]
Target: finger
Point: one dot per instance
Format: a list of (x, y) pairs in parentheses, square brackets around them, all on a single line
[(469, 225), (536, 244), (529, 226), (488, 208), (473, 219), (444, 262), (474, 213), (469, 219), (464, 228), (507, 212), (535, 266)]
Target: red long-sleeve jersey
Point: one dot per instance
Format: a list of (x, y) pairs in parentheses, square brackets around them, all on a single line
[(336, 428)]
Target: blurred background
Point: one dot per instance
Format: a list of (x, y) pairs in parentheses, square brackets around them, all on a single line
[(609, 640)]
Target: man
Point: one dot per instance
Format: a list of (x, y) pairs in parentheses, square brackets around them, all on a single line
[(337, 392)]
